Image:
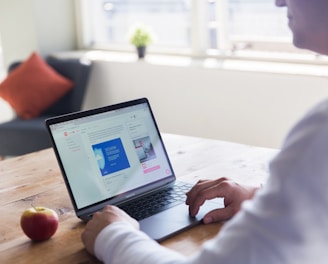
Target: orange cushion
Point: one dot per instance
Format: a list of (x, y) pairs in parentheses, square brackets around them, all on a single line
[(33, 87)]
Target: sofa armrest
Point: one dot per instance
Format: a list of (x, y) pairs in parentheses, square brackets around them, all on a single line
[(7, 113)]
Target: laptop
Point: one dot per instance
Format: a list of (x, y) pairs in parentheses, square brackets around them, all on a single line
[(115, 155)]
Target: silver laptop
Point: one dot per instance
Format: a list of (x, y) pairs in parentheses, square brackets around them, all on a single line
[(115, 155)]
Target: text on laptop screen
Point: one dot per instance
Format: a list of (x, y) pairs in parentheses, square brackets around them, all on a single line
[(110, 153)]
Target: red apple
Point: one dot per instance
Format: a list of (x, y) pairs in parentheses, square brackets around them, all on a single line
[(39, 223)]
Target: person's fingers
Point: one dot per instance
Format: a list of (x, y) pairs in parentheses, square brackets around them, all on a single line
[(214, 191), (107, 208), (200, 186), (100, 220), (117, 214), (218, 215)]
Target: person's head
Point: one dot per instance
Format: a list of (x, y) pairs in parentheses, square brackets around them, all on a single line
[(308, 21)]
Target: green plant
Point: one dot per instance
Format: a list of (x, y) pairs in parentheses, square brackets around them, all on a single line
[(140, 36)]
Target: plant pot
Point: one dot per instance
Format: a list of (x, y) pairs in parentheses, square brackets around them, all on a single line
[(141, 52)]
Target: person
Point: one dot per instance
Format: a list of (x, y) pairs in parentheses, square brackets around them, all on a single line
[(285, 221)]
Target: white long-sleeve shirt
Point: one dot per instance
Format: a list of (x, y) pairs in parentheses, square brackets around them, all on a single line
[(286, 221)]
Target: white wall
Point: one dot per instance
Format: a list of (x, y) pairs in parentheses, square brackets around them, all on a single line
[(249, 107), (36, 25)]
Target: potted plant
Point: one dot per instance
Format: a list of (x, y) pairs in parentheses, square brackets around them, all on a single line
[(140, 36)]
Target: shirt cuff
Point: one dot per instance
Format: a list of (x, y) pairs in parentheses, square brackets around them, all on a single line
[(108, 237)]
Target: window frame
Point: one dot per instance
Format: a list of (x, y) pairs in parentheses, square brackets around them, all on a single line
[(228, 48)]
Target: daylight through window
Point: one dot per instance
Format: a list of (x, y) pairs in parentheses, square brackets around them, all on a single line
[(195, 26)]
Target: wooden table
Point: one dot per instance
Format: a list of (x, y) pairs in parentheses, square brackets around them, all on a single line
[(36, 179)]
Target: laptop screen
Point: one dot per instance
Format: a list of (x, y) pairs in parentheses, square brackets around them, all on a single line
[(109, 151)]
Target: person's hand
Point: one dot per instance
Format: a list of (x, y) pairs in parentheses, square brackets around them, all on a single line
[(100, 220), (233, 193)]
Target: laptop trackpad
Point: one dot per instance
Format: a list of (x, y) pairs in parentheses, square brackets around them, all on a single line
[(176, 219)]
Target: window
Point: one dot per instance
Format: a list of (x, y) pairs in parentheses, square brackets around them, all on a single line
[(259, 18), (198, 27), (110, 21), (248, 21)]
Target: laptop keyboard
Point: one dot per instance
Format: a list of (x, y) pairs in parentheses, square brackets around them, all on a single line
[(157, 202)]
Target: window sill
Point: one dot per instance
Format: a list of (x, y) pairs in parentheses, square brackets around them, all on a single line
[(232, 63)]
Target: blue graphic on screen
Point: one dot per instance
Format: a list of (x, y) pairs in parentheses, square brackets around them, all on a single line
[(111, 156)]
